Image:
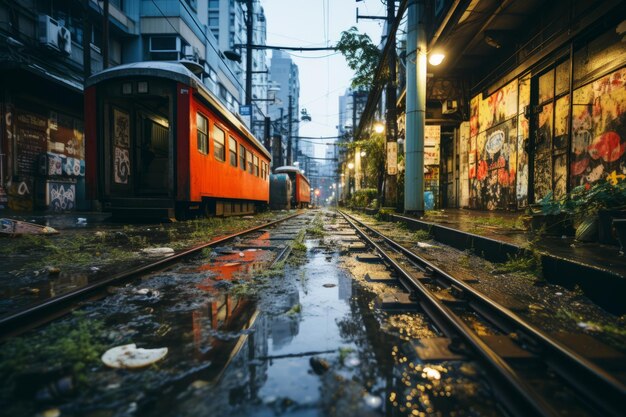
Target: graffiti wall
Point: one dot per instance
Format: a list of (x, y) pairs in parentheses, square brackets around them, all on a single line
[(599, 130), (47, 155), (493, 148)]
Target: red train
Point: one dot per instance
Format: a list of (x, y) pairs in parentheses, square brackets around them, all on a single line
[(300, 186), (159, 143)]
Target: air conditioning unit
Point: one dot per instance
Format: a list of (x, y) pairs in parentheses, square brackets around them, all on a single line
[(48, 31), (449, 107), (191, 53), (65, 40), (53, 35)]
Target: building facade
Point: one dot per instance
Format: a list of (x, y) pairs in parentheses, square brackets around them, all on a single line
[(528, 103), (48, 48), (284, 76)]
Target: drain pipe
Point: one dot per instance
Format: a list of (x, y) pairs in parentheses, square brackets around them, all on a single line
[(415, 110)]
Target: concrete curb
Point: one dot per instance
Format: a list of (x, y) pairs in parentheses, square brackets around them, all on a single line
[(604, 287)]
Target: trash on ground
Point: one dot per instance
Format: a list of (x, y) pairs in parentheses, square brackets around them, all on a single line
[(424, 245), (129, 356), (158, 251), (10, 227)]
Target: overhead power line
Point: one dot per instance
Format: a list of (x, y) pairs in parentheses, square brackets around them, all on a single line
[(374, 94)]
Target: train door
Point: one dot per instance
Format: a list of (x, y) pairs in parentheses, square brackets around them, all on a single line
[(153, 155)]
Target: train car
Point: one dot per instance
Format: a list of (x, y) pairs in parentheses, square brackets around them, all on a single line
[(280, 192), (160, 144), (301, 188)]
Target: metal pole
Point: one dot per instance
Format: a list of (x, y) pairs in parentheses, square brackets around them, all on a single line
[(266, 134), (289, 115), (105, 35), (415, 111), (86, 41), (249, 15), (391, 170)]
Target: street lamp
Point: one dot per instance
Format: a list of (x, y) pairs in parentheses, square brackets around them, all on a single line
[(350, 165), (436, 58), (379, 127)]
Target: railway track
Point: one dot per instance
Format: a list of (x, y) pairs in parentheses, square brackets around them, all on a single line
[(515, 346), (22, 320)]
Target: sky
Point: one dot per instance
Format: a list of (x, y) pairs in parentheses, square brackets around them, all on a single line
[(324, 75)]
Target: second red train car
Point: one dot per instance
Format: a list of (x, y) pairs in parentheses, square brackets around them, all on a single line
[(300, 186)]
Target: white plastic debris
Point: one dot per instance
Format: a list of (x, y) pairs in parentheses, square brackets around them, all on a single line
[(81, 220), (352, 361), (147, 291), (241, 254), (372, 401), (129, 356), (589, 326), (424, 245), (158, 251)]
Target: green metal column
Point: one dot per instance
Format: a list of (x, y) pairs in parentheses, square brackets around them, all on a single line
[(415, 110)]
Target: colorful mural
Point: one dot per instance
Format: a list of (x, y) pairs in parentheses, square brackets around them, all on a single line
[(521, 193), (599, 129), (493, 149)]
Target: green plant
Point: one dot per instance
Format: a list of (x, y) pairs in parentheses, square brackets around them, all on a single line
[(586, 200), (363, 197)]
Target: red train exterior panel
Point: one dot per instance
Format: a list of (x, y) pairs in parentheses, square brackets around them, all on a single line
[(143, 149)]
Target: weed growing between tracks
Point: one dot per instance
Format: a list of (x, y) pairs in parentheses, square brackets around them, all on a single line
[(110, 244), (61, 350)]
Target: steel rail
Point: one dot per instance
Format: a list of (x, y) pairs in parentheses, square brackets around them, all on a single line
[(520, 399), (598, 388), (54, 307)]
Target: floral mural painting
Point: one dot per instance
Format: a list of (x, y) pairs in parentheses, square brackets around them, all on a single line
[(599, 129), (494, 149)]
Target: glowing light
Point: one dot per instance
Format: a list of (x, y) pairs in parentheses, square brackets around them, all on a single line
[(363, 153), (431, 373), (350, 165), (379, 128), (436, 58)]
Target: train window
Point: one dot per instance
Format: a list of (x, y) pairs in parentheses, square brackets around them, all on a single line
[(219, 150), (263, 170), (242, 157), (249, 159), (256, 165), (203, 137), (232, 148)]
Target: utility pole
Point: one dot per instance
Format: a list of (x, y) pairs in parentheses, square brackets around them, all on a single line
[(290, 117), (266, 134), (415, 110), (105, 35), (249, 15), (86, 41), (391, 170)]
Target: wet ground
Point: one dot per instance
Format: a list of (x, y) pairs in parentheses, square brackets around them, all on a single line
[(244, 338), (89, 248), (517, 285)]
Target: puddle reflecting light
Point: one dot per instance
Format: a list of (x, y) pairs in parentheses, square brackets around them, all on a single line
[(431, 373)]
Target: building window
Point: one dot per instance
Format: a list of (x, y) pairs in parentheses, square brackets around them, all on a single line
[(218, 144), (249, 159), (214, 4), (232, 148), (263, 171), (256, 165), (242, 157), (203, 137), (214, 18)]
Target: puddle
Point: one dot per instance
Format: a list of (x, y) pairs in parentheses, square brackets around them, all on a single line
[(309, 343)]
